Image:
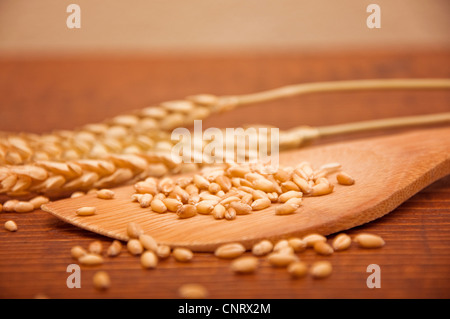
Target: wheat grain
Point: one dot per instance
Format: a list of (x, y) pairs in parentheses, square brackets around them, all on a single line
[(135, 247), (369, 240), (86, 211), (345, 179), (229, 251), (11, 226), (114, 249), (101, 280), (182, 254), (262, 248), (321, 269), (95, 247), (193, 291), (244, 265), (341, 242), (149, 260), (77, 251)]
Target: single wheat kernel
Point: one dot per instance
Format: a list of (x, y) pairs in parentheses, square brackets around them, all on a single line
[(77, 194), (23, 207), (296, 201), (182, 254), (134, 246), (241, 208), (219, 211), (38, 201), (229, 251), (205, 207), (1, 207), (311, 239), (345, 179), (264, 185), (280, 244), (341, 242), (285, 209), (11, 226), (114, 249), (149, 260), (214, 188), (163, 251), (289, 186), (144, 200), (369, 240), (146, 187), (77, 251), (280, 259), (134, 230), (297, 244), (148, 242), (321, 269), (220, 193), (90, 260), (283, 198), (95, 247), (230, 214), (172, 204), (9, 205), (86, 211), (158, 206), (262, 248), (101, 280), (261, 203), (166, 185), (298, 269), (191, 189), (193, 291), (187, 211), (224, 182), (226, 201), (105, 194), (182, 195), (159, 196), (244, 265), (322, 248), (322, 189), (200, 182)]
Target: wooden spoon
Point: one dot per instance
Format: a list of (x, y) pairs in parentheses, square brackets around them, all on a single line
[(388, 170)]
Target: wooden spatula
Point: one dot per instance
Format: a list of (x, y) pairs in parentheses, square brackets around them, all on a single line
[(388, 171)]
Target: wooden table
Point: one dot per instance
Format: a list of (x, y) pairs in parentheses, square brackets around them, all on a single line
[(45, 94)]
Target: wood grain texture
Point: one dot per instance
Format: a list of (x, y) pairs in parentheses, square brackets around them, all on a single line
[(44, 95), (384, 181)]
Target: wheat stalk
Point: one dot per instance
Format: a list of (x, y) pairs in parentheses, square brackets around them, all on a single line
[(131, 147), (148, 129)]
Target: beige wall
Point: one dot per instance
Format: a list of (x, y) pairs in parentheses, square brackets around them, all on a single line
[(192, 26)]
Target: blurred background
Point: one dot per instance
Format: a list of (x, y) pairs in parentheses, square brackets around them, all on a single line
[(135, 53), (177, 27)]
